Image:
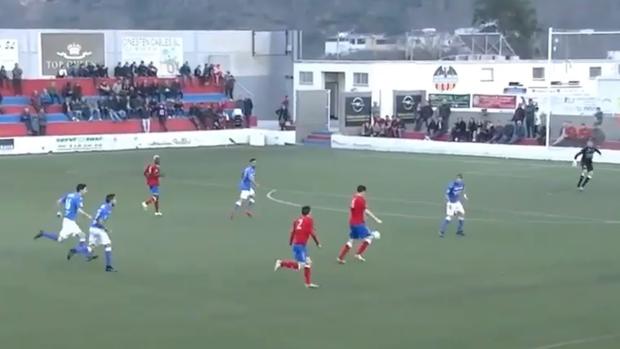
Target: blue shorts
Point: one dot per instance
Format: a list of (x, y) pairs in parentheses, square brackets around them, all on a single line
[(299, 253), (154, 189), (359, 232)]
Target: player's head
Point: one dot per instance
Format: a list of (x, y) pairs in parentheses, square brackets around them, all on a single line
[(459, 178), (253, 162), (361, 189), (305, 210), (590, 143), (81, 188), (156, 159), (111, 199)]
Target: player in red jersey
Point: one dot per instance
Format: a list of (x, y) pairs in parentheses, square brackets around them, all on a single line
[(152, 173), (358, 228), (303, 230)]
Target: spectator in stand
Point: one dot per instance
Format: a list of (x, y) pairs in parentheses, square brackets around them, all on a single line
[(519, 114), (472, 130), (67, 91), (530, 115), (426, 113), (538, 121), (519, 133), (117, 87), (198, 75), (229, 85), (42, 123), (598, 116), (102, 71), (209, 72), (62, 72), (216, 75), (118, 70), (177, 89), (151, 70), (94, 113), (282, 114), (397, 127), (104, 89), (162, 116), (432, 129), (366, 129), (141, 70), (45, 99), (4, 77), (459, 131), (77, 92), (178, 108), (17, 79), (35, 125), (185, 71), (1, 99), (248, 106), (444, 112), (66, 109), (53, 92), (26, 118), (145, 119), (35, 101)]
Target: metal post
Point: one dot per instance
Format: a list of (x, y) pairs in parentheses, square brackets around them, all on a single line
[(548, 77)]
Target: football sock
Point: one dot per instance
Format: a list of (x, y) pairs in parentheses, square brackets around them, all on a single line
[(580, 181), (157, 205), (444, 225), (585, 181), (459, 228), (363, 247), (51, 236), (307, 273), (289, 264), (343, 252), (108, 256)]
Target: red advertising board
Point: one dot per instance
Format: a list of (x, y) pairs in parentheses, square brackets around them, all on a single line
[(494, 102)]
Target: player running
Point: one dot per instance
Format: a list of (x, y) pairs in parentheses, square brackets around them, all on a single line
[(70, 207), (454, 207), (358, 228), (587, 165), (152, 173), (98, 234), (247, 186), (303, 229)]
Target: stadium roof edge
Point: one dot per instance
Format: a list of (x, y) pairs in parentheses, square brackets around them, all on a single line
[(541, 61)]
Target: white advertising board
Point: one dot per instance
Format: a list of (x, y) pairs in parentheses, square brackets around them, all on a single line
[(111, 142), (9, 53), (525, 152)]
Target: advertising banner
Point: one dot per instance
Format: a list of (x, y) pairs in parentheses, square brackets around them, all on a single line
[(9, 53), (358, 110), (406, 104), (494, 102), (166, 53), (454, 101), (59, 49)]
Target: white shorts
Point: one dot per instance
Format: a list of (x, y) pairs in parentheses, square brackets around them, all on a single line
[(69, 229), (97, 237), (454, 208), (246, 194)]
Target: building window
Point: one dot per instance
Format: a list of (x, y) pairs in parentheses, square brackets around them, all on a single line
[(360, 79), (361, 41), (487, 74), (595, 72), (306, 78), (538, 73)]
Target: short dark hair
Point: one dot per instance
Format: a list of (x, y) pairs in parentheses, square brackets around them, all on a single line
[(80, 187), (305, 210), (361, 188), (109, 197), (459, 175), (252, 159)]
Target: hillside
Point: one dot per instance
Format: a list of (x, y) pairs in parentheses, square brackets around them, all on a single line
[(316, 17)]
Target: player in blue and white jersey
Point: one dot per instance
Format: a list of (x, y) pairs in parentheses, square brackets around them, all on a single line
[(454, 207), (247, 186), (70, 207), (98, 234)]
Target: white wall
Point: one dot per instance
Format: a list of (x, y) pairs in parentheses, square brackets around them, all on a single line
[(385, 77)]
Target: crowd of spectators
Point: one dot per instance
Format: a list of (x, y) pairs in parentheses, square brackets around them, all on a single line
[(387, 126)]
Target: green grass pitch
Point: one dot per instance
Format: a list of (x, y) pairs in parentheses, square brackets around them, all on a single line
[(539, 268)]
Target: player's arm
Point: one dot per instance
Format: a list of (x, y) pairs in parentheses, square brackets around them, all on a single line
[(290, 240), (253, 181), (578, 154), (373, 216), (59, 205), (84, 213), (316, 239), (598, 151)]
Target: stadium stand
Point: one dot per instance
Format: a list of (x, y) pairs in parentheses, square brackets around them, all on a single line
[(58, 122)]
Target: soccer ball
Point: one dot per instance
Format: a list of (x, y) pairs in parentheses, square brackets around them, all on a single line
[(376, 235)]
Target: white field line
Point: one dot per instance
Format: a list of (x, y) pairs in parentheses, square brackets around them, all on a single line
[(579, 341)]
